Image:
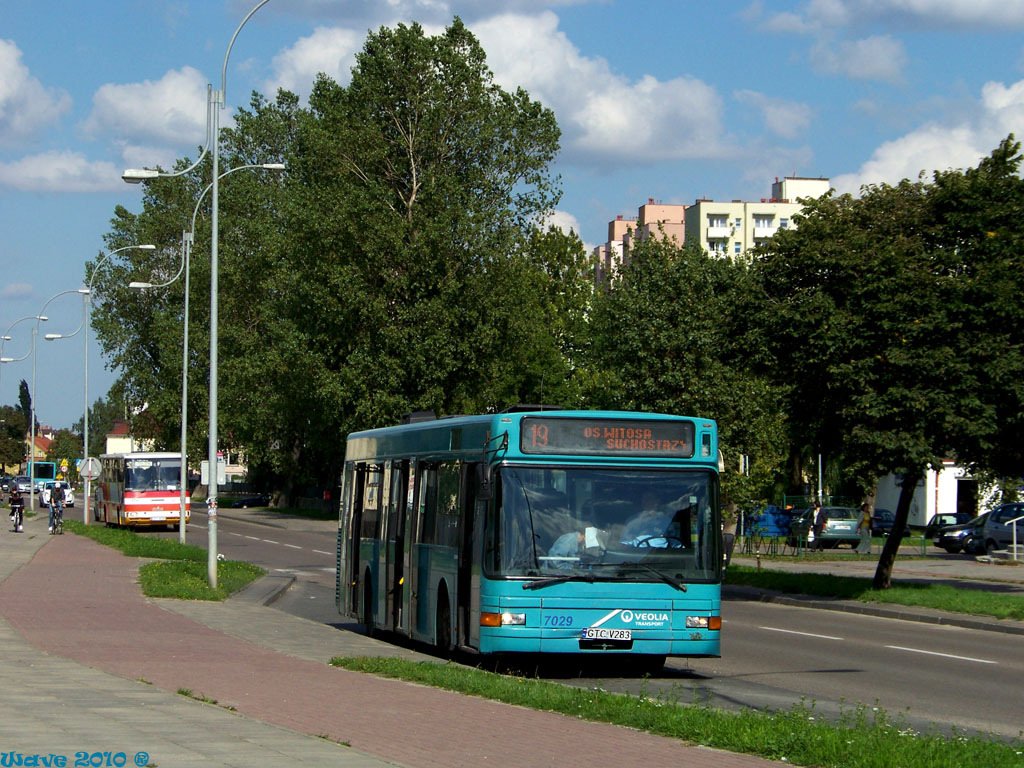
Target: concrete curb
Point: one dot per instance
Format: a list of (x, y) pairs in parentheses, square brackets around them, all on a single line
[(906, 613), (264, 591)]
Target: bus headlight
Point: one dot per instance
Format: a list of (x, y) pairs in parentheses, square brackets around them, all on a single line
[(502, 619), (704, 622)]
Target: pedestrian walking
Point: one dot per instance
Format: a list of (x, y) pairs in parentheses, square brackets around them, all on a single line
[(819, 520), (864, 528)]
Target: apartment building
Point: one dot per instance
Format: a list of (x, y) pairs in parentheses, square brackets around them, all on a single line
[(654, 219), (735, 227), (722, 228)]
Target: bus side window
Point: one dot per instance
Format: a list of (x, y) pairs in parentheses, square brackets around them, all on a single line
[(371, 506), (428, 503), (448, 481)]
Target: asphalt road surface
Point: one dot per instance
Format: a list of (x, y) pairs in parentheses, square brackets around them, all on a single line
[(926, 677)]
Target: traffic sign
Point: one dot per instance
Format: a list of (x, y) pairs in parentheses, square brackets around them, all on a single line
[(90, 468)]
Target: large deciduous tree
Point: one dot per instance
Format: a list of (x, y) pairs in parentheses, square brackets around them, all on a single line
[(882, 313), (667, 335), (397, 266)]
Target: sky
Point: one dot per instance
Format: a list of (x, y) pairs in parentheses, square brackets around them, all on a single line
[(670, 100)]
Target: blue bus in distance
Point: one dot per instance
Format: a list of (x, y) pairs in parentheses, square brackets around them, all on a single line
[(41, 472), (536, 531)]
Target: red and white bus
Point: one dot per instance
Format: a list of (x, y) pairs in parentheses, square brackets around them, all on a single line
[(140, 489)]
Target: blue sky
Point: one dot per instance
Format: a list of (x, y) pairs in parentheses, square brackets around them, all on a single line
[(664, 99)]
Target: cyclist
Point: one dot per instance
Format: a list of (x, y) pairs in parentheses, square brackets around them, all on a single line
[(56, 506), (17, 509)]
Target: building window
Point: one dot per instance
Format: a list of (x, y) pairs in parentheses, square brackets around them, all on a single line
[(763, 221), (738, 223), (736, 247), (717, 221), (783, 223)]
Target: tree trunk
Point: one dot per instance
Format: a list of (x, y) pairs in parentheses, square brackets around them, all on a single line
[(883, 573)]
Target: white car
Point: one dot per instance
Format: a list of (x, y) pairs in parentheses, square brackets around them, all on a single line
[(69, 492)]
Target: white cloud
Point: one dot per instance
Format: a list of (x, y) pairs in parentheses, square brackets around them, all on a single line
[(820, 15), (562, 220), (170, 110), (25, 104), (787, 119), (603, 115), (874, 58), (330, 50), (13, 291), (939, 147), (60, 172)]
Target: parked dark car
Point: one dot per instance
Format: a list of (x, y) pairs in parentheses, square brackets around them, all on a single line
[(944, 519), (966, 537), (840, 527), (882, 521), (254, 500), (5, 483), (997, 533)]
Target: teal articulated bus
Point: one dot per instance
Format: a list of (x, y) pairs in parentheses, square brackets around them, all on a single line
[(536, 531)]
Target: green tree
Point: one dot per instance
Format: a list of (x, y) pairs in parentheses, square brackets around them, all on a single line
[(871, 313), (666, 337), (397, 265), (13, 428), (65, 446), (25, 403)]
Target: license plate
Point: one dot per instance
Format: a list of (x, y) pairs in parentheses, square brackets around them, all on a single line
[(600, 633), (158, 518)]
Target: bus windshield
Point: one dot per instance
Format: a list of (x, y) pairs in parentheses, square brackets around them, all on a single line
[(161, 474), (605, 523)]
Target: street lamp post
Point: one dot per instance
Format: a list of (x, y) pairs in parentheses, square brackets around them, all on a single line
[(86, 301), (32, 432), (187, 239), (3, 340), (214, 104)]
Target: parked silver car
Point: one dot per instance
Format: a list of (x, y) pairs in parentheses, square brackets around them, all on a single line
[(998, 533)]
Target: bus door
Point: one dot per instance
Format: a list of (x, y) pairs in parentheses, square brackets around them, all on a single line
[(355, 530), (469, 570), (410, 517), (394, 548), (382, 585)]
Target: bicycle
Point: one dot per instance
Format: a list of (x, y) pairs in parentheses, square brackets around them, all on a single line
[(58, 519), (17, 516)]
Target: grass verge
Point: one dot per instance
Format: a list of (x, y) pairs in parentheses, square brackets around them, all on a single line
[(181, 569), (938, 596), (864, 738)]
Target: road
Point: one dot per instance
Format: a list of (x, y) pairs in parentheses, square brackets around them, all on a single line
[(773, 656)]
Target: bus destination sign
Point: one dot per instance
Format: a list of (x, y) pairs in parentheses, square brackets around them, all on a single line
[(607, 437)]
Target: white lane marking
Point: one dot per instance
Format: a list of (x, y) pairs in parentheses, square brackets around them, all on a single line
[(254, 538), (804, 634), (321, 552), (269, 541), (944, 655), (293, 546)]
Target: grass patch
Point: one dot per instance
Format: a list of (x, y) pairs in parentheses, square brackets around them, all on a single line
[(181, 570), (133, 545), (941, 597), (864, 737), (187, 579)]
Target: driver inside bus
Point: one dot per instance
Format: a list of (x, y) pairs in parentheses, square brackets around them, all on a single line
[(568, 547), (656, 525)]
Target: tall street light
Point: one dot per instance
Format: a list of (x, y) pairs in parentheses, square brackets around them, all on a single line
[(3, 340), (32, 433), (86, 302), (217, 99), (187, 239), (7, 337)]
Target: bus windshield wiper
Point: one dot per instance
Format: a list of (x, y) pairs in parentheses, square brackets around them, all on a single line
[(541, 583), (670, 580)]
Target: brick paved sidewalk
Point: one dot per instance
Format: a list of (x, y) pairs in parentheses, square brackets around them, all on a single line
[(80, 600)]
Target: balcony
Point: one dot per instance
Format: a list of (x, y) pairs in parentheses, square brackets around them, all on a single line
[(719, 233), (764, 232)]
